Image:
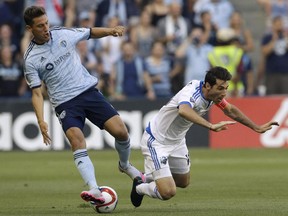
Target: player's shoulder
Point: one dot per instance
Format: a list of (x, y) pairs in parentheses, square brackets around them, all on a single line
[(194, 84), (29, 50), (59, 29)]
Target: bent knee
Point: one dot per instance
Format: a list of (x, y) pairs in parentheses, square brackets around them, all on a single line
[(168, 193), (183, 184)]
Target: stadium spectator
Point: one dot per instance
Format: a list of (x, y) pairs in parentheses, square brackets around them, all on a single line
[(159, 68), (60, 12), (173, 30), (11, 11), (227, 54), (12, 82), (157, 10), (123, 9), (243, 34), (194, 51), (108, 52), (163, 144), (220, 10), (87, 9), (188, 10), (128, 79), (274, 50), (210, 29), (245, 41), (143, 35), (52, 58), (7, 39), (275, 8)]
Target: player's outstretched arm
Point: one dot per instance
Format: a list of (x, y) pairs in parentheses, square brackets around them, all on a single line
[(188, 113), (237, 115), (99, 32), (223, 125)]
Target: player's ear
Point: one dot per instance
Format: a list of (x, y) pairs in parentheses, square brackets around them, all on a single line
[(28, 28), (207, 85)]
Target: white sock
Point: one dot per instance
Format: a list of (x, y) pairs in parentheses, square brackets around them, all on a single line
[(149, 189), (85, 167), (123, 149), (148, 178)]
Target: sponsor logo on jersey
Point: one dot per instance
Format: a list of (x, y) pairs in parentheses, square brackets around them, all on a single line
[(49, 66), (62, 58)]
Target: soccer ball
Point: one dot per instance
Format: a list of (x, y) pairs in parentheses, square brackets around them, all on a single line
[(111, 200)]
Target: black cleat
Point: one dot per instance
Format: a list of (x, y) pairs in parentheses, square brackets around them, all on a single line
[(136, 198)]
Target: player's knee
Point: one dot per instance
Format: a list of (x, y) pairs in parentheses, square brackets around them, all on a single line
[(183, 184), (168, 193), (121, 135)]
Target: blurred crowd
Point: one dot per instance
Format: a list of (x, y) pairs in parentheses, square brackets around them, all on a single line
[(167, 44)]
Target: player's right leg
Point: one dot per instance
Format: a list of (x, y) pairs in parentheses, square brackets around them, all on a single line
[(84, 166), (156, 166)]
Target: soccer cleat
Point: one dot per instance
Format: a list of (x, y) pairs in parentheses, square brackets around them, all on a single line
[(89, 196), (136, 198), (132, 172)]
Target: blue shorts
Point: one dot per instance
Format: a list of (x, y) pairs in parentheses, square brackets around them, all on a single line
[(90, 104)]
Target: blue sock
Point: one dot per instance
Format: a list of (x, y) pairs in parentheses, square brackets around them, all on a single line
[(123, 149)]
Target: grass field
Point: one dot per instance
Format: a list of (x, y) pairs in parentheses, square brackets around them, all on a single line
[(224, 182)]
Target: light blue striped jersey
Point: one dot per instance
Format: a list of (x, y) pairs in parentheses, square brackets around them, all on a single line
[(58, 65), (168, 127)]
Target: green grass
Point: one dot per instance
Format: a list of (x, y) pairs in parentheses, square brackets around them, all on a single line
[(223, 182)]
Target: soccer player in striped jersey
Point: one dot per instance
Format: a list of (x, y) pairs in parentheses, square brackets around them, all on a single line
[(163, 144), (51, 59)]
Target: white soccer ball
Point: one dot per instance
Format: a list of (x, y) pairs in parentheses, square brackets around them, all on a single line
[(111, 200)]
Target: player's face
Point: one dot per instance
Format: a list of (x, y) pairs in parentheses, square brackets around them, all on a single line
[(40, 29), (218, 91)]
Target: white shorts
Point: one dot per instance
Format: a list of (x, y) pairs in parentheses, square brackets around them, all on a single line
[(162, 160)]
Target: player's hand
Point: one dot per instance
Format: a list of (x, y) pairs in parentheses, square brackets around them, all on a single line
[(223, 125), (268, 126), (44, 130), (118, 31)]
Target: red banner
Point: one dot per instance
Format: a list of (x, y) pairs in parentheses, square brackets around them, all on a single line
[(260, 110)]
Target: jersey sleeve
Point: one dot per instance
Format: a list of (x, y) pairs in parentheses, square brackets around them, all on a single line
[(185, 96), (31, 75), (78, 34)]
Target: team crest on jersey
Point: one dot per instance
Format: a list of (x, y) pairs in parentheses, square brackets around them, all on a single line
[(163, 160), (49, 66), (63, 43), (62, 114)]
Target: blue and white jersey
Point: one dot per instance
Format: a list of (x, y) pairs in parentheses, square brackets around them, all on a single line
[(58, 65), (168, 127)]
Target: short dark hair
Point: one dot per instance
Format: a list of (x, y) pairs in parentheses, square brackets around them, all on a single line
[(32, 12), (217, 73)]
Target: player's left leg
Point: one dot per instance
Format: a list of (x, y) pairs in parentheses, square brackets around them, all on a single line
[(118, 130), (181, 180), (179, 162), (101, 113)]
